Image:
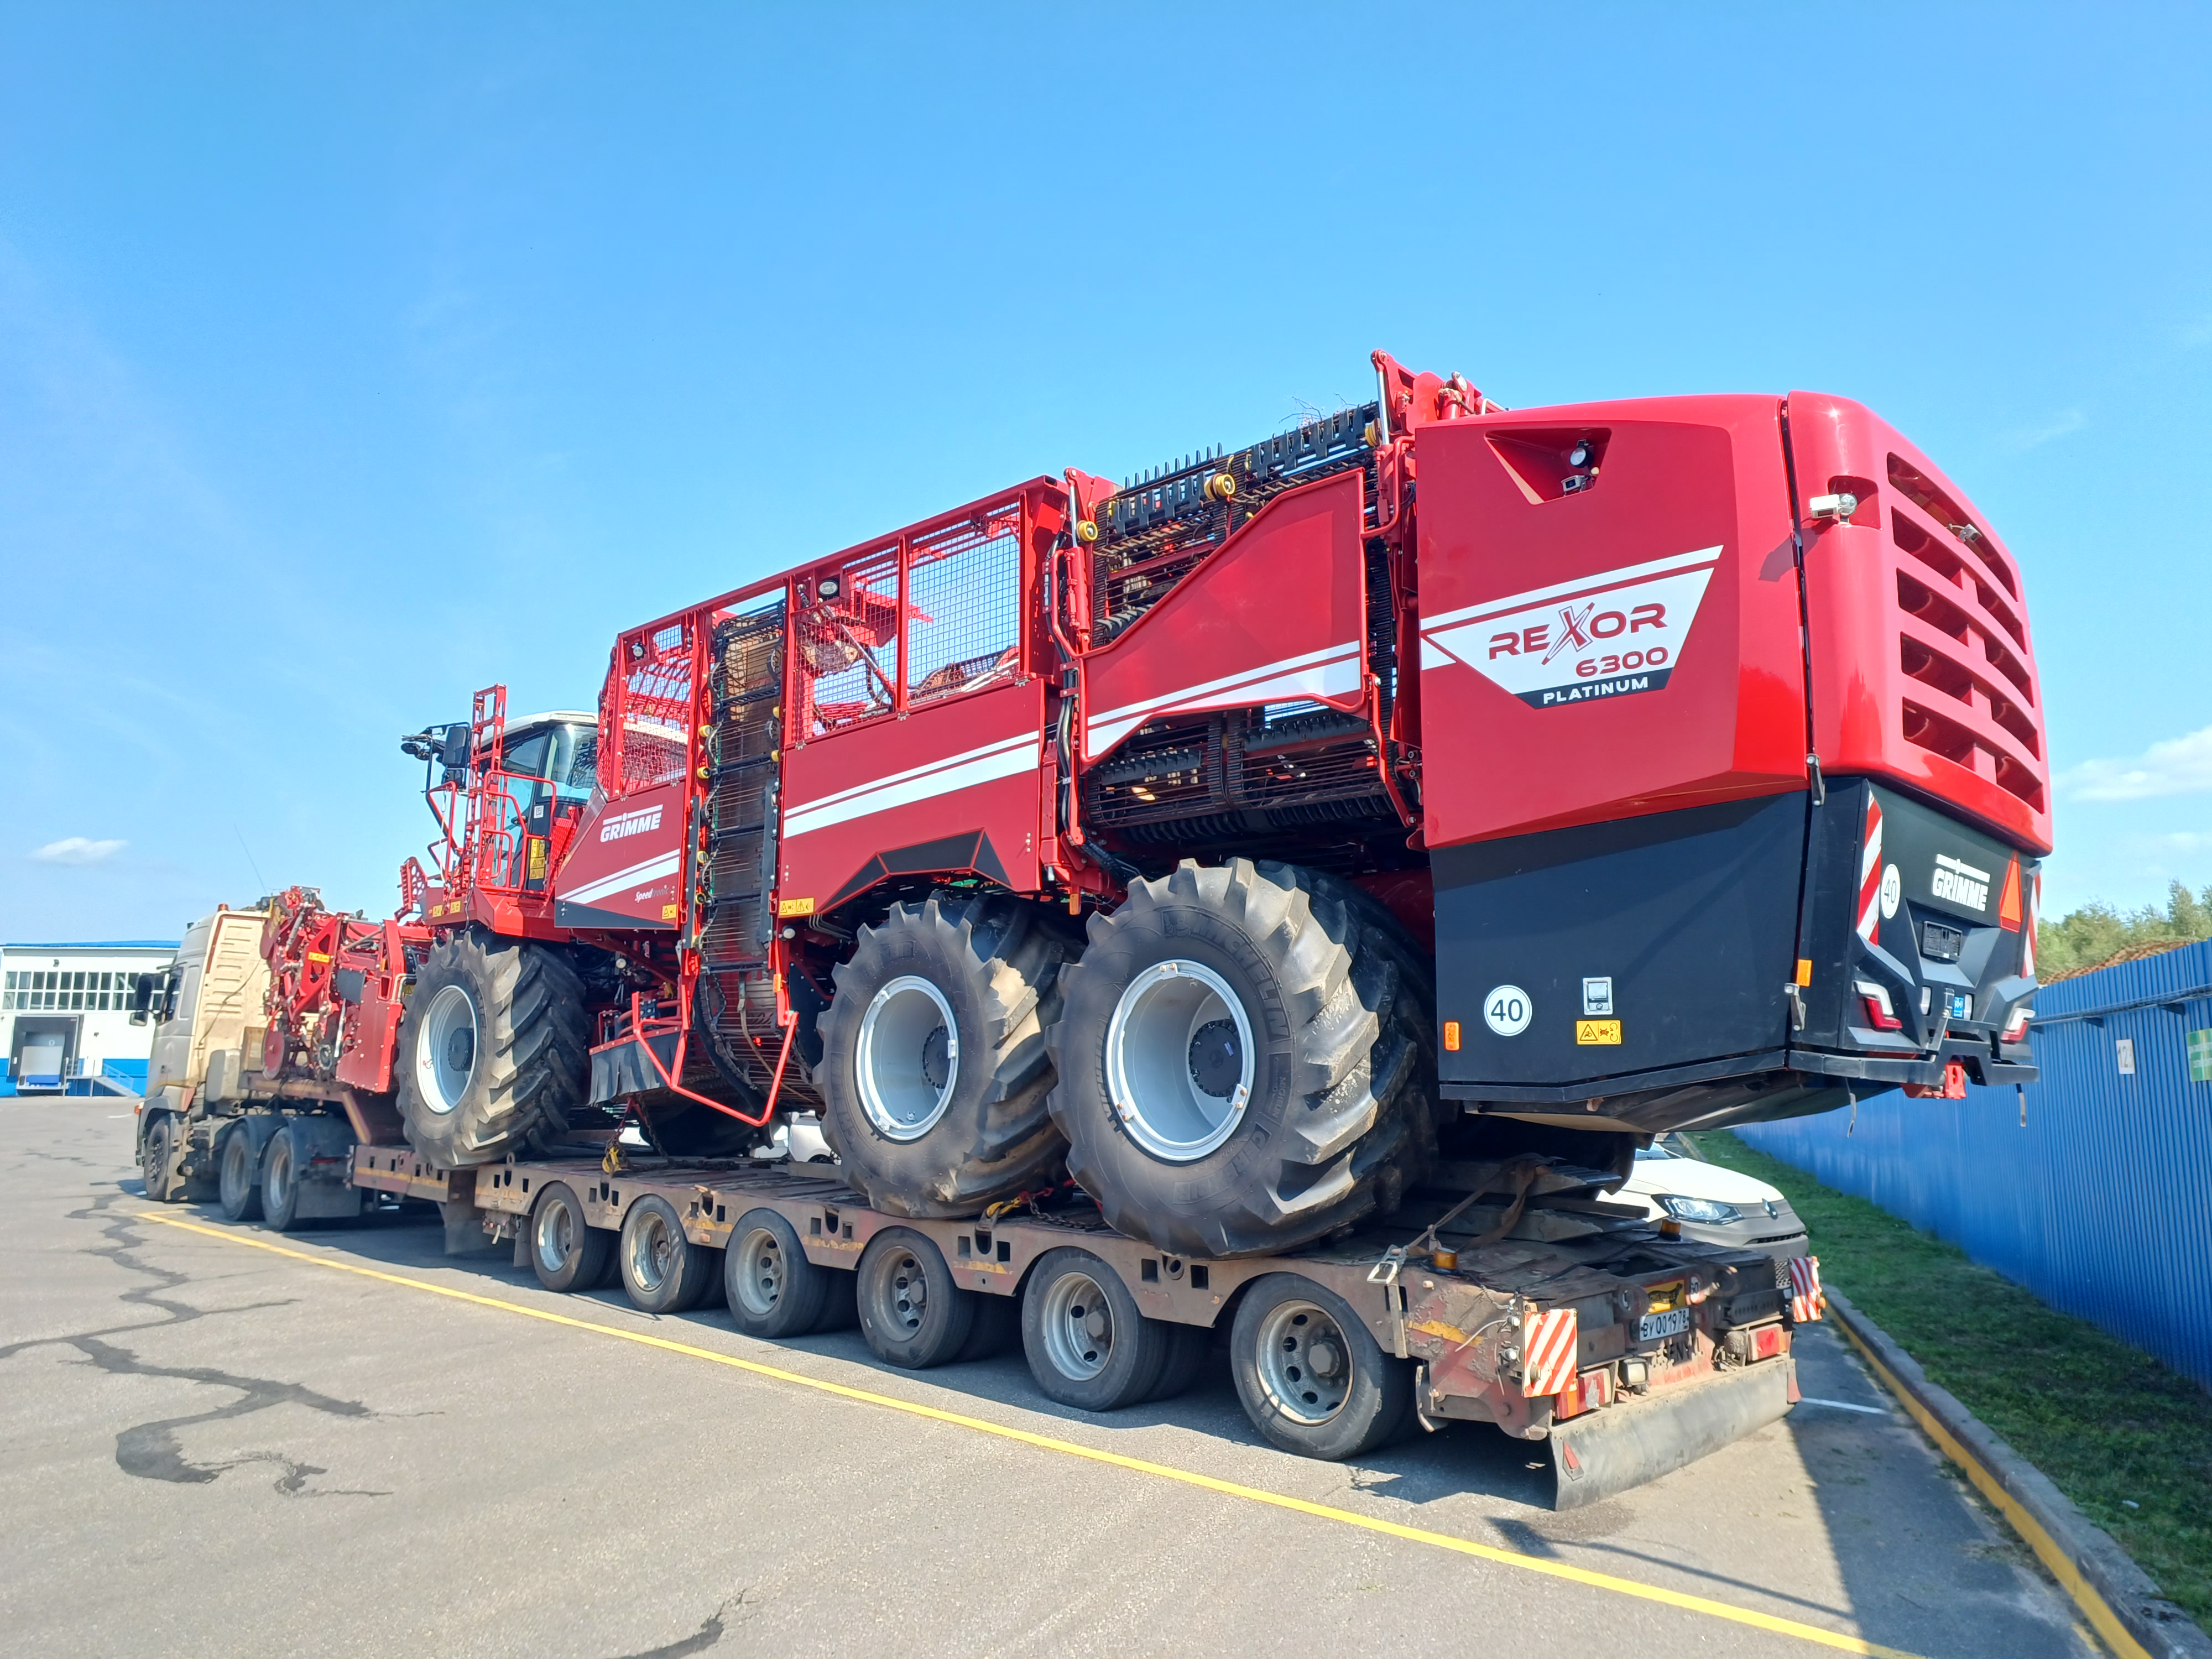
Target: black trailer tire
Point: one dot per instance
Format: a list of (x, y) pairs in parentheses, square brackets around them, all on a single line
[(840, 1304), (494, 1050), (156, 1155), (567, 1253), (934, 1068), (1312, 1377), (238, 1197), (912, 1315), (1088, 1345), (1187, 1347), (280, 1182), (997, 1329), (773, 1290), (664, 1271), (1244, 1060)]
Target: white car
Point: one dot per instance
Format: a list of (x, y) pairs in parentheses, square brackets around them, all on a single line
[(1714, 1205)]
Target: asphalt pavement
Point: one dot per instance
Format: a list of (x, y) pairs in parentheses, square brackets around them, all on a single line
[(352, 1443)]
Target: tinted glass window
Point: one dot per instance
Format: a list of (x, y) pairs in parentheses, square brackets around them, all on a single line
[(526, 757)]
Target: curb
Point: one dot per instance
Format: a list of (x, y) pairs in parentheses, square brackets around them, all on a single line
[(2115, 1595)]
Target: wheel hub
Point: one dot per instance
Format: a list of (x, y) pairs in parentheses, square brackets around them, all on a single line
[(1077, 1326), (910, 1292), (760, 1272), (1179, 1059), (446, 1055), (907, 1058), (1304, 1361)]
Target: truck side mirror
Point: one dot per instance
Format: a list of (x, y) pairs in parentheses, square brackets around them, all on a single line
[(455, 753), (142, 997)]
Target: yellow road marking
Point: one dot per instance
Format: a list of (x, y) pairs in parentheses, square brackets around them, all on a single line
[(2107, 1623), (1630, 1587)]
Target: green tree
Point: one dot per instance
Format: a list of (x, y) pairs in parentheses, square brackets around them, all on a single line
[(2086, 936)]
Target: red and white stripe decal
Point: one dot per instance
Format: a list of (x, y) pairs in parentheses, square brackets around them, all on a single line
[(1547, 1350), (1870, 872), (1805, 1301)]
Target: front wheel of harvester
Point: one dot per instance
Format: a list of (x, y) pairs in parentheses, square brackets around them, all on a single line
[(158, 1153), (494, 1049), (1087, 1344), (280, 1182), (567, 1253), (933, 1067), (1243, 1061), (1312, 1377), (773, 1290), (912, 1314), (239, 1195), (664, 1271)]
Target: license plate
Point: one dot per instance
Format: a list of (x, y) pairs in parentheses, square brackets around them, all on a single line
[(1657, 1327), (1962, 1005)]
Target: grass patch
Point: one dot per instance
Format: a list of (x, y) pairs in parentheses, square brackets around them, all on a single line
[(2105, 1421)]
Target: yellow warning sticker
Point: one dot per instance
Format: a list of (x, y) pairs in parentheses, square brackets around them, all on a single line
[(668, 913), (794, 906), (1589, 1032)]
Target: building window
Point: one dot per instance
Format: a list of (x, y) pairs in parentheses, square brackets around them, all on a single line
[(11, 980)]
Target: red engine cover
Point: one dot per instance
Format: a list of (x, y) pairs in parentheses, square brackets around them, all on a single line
[(1611, 635)]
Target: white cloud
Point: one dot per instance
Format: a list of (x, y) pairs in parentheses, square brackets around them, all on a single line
[(75, 849), (2179, 766), (2066, 420)]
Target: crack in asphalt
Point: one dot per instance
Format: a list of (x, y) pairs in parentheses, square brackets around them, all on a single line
[(151, 1450)]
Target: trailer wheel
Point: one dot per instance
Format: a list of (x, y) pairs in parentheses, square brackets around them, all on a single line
[(934, 1068), (238, 1196), (280, 1182), (493, 1050), (1313, 1378), (664, 1271), (912, 1314), (158, 1153), (773, 1290), (1188, 1347), (1087, 1344), (566, 1252), (1243, 1060)]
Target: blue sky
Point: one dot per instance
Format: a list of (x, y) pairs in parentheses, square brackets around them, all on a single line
[(351, 359)]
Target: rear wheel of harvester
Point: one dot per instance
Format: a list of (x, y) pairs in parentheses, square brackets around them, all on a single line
[(1312, 1377), (238, 1196), (933, 1065), (493, 1051), (280, 1182), (663, 1270), (159, 1153), (1243, 1060), (567, 1253)]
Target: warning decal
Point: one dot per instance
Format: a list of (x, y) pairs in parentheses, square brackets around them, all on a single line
[(1604, 1032), (1610, 635)]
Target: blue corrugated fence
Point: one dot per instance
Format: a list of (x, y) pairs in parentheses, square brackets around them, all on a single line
[(2101, 1203)]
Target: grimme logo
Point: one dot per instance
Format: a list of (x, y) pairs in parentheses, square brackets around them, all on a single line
[(1606, 635), (1960, 882), (630, 823)]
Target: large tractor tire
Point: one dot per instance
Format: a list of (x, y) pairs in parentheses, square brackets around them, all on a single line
[(933, 1067), (687, 1129), (1244, 1060), (494, 1050)]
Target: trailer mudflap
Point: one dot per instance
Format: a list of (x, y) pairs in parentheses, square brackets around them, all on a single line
[(1623, 1446)]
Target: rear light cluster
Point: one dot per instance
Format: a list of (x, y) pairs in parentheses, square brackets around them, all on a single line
[(1881, 1013), (1964, 641)]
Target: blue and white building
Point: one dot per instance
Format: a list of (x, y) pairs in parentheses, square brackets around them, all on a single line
[(65, 1015)]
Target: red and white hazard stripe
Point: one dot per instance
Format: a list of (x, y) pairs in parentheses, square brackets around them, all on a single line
[(2027, 932), (1870, 871), (1547, 1350), (1805, 1303)]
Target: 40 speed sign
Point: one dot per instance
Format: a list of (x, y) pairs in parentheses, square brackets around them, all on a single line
[(1507, 1011)]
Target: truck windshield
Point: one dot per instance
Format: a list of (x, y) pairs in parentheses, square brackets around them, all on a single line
[(566, 756)]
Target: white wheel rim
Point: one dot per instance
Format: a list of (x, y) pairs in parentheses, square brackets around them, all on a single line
[(652, 1252), (759, 1279), (1178, 1089), (909, 1058), (557, 1236), (1078, 1325), (280, 1175), (905, 1291), (1304, 1362), (445, 1054)]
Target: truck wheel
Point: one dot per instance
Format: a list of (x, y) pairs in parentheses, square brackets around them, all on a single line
[(933, 1067), (1243, 1061), (567, 1253), (239, 1195), (1088, 1346), (912, 1314), (1188, 1347), (493, 1049), (280, 1182), (773, 1290), (1313, 1378), (158, 1153), (664, 1271)]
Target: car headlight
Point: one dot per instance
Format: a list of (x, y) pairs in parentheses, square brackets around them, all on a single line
[(1697, 1209)]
